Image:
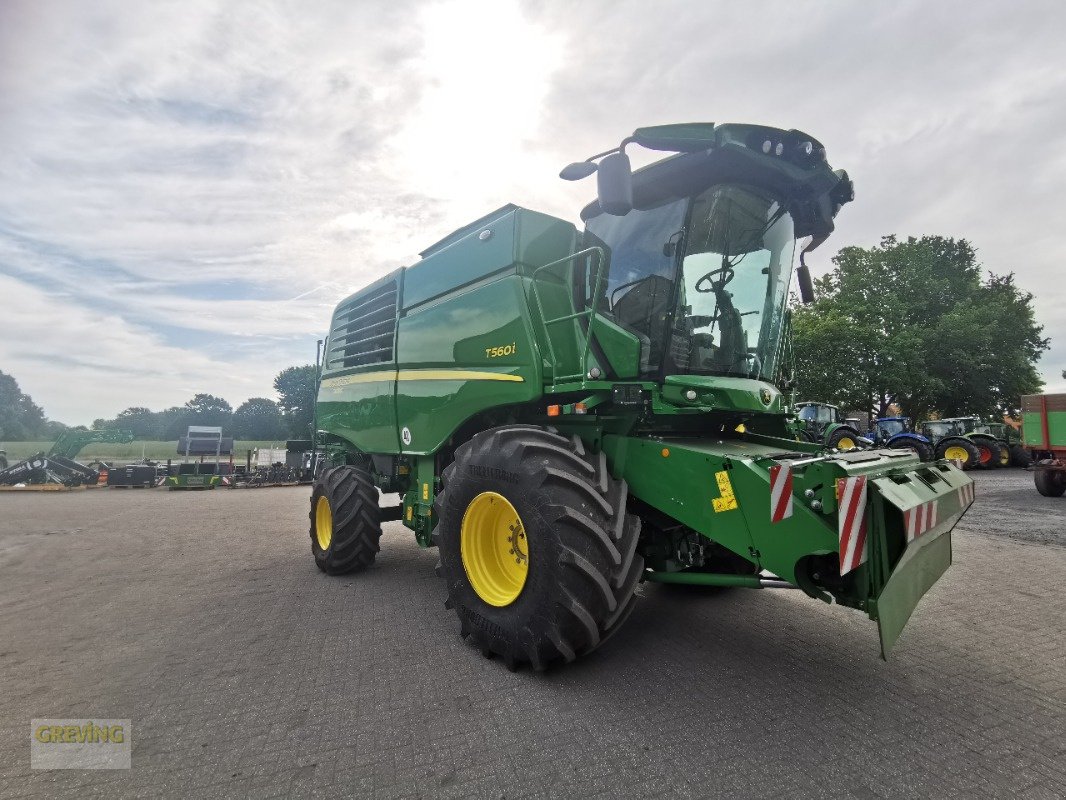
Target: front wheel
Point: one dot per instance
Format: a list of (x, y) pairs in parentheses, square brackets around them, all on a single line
[(536, 546), (843, 439), (1019, 456), (956, 449), (923, 450), (345, 521)]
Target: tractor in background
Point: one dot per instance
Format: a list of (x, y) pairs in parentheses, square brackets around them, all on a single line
[(1010, 439), (897, 433), (959, 439), (821, 423)]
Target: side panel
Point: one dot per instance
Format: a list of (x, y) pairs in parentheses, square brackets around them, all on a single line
[(1035, 426), (361, 408), (466, 353)]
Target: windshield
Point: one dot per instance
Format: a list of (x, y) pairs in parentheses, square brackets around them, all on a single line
[(736, 271), (939, 429), (890, 427), (725, 315), (815, 413)]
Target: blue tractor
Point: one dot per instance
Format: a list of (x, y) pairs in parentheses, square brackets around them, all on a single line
[(896, 432)]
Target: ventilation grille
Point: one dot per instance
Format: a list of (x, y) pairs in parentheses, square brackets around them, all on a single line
[(364, 330)]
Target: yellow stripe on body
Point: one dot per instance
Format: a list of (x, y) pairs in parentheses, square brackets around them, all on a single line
[(419, 375), (454, 375)]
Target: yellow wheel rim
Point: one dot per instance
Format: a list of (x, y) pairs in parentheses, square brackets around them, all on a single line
[(323, 523), (957, 453), (495, 551), (1004, 457), (847, 443)]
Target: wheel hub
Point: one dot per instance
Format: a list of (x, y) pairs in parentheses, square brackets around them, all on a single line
[(494, 549), (957, 453)]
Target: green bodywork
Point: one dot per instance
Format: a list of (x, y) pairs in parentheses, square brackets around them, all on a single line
[(192, 481), (497, 325)]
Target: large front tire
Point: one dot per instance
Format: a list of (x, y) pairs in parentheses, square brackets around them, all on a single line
[(958, 449), (843, 439), (1019, 456), (345, 521), (530, 495)]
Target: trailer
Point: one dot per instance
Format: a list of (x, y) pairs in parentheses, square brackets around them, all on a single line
[(1044, 433)]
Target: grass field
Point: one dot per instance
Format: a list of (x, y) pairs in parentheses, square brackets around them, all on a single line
[(123, 453)]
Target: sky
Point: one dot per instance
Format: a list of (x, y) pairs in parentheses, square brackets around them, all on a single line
[(188, 188)]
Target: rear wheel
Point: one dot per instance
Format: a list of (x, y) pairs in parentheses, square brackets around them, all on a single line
[(536, 547), (987, 453), (1002, 455), (843, 439), (962, 450), (345, 521), (1050, 482), (1019, 456), (923, 450)]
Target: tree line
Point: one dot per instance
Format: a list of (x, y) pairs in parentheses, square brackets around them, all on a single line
[(259, 418)]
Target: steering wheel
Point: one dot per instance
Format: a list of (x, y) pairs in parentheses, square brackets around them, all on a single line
[(710, 275)]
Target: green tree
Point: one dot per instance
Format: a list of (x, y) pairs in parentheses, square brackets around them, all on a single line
[(296, 388), (259, 418), (913, 323), (202, 409), (20, 418), (142, 422)]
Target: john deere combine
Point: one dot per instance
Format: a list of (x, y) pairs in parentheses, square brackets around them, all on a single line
[(568, 413)]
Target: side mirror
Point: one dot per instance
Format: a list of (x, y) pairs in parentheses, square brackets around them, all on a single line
[(614, 182), (577, 170)]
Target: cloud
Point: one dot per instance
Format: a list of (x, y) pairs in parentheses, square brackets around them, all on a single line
[(211, 178)]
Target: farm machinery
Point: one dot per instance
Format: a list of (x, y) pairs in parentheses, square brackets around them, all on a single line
[(1044, 433), (897, 433), (962, 439), (1010, 439), (824, 424), (58, 465), (566, 414)]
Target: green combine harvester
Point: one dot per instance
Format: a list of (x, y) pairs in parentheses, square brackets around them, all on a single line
[(568, 413)]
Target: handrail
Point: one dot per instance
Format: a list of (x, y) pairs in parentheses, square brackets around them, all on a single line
[(600, 260)]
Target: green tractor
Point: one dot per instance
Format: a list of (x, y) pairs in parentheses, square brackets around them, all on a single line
[(566, 414), (963, 439), (824, 424), (1009, 439)]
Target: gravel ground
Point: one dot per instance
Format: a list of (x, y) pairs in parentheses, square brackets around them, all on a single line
[(245, 672)]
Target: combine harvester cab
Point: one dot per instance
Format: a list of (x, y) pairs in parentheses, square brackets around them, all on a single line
[(566, 413)]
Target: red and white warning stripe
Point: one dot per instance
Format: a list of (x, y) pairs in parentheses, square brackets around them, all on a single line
[(919, 519), (851, 522), (965, 494), (780, 493)]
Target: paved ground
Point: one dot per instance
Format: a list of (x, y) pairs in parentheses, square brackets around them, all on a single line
[(246, 672)]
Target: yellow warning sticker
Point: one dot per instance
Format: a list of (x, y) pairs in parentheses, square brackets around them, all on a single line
[(727, 501)]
